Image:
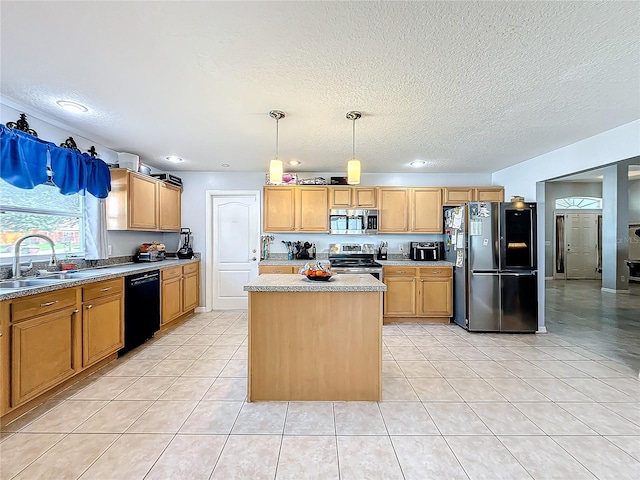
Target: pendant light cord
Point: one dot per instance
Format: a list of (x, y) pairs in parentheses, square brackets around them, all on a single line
[(354, 138), (277, 137)]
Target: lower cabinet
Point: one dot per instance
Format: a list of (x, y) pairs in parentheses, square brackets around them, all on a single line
[(102, 320), (418, 292), (42, 353), (179, 291)]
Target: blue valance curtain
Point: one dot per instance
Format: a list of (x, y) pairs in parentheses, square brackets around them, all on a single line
[(27, 161)]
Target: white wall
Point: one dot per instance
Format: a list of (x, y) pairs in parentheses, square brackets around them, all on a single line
[(608, 147)]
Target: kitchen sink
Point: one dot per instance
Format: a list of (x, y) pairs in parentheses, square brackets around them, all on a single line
[(32, 282)]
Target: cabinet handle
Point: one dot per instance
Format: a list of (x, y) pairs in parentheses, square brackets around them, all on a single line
[(49, 303), (436, 272), (399, 271), (76, 311), (105, 289), (89, 306)]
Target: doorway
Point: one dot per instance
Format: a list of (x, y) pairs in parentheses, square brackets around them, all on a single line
[(577, 249), (233, 239)]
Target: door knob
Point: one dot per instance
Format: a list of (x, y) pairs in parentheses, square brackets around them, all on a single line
[(253, 259)]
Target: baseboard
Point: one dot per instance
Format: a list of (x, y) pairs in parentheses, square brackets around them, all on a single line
[(549, 278), (202, 310), (542, 329), (613, 290)]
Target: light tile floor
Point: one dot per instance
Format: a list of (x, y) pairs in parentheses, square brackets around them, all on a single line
[(456, 406)]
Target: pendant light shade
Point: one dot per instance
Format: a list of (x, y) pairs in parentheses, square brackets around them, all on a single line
[(353, 166), (275, 166)]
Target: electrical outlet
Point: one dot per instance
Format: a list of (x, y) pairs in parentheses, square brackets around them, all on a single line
[(401, 249), (622, 278)]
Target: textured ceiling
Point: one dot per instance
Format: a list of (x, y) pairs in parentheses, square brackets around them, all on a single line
[(466, 86)]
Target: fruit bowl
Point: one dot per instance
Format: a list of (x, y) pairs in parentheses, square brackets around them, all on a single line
[(318, 278)]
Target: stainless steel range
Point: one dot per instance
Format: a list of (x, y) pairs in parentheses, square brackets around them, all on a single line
[(354, 258)]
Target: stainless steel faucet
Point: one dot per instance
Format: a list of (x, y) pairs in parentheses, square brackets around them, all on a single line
[(17, 273)]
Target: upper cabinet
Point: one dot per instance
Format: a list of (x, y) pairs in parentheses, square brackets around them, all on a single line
[(140, 202), (352, 197), (393, 209), (296, 209), (453, 196), (404, 210)]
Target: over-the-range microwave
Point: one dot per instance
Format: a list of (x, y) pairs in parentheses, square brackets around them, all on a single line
[(353, 222)]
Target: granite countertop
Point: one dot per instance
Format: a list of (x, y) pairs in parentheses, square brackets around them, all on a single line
[(299, 283), (384, 263), (98, 274)]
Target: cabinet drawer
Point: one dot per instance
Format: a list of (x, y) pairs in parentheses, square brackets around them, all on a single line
[(399, 271), (191, 268), (102, 289), (277, 269), (171, 272), (43, 303), (436, 272)]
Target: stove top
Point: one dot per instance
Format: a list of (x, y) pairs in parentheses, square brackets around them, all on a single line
[(350, 261)]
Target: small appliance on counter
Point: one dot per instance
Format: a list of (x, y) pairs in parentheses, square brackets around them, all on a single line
[(185, 252), (150, 252), (426, 251)]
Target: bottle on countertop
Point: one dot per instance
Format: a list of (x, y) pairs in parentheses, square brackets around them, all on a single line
[(313, 251)]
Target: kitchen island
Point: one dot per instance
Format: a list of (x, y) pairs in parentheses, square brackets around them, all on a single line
[(313, 340)]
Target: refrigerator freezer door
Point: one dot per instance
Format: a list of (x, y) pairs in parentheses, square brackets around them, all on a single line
[(519, 292), (484, 302), (482, 232)]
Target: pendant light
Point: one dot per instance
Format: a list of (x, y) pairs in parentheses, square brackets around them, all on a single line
[(353, 166), (275, 166)]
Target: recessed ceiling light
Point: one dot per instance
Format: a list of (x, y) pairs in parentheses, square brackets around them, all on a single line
[(72, 106), (417, 163), (294, 162), (225, 165), (174, 159)]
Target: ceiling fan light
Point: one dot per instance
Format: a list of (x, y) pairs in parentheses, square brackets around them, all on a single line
[(353, 172), (275, 171)]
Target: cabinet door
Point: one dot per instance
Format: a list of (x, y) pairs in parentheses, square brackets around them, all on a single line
[(171, 301), (190, 291), (42, 354), (276, 269), (435, 297), (426, 210), (393, 210), (143, 202), (279, 209), (312, 209), (340, 197), (102, 328), (454, 196), (364, 197), (169, 198), (489, 194), (400, 297)]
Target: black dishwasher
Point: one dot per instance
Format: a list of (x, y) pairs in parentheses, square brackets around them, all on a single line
[(141, 308)]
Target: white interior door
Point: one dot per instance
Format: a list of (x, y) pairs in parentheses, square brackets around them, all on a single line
[(581, 245), (236, 238)]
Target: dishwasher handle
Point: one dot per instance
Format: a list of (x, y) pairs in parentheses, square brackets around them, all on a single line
[(152, 277)]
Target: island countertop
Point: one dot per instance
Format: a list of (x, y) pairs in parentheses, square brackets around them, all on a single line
[(299, 283)]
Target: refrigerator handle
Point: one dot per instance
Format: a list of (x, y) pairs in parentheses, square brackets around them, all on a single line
[(519, 274), (484, 274)]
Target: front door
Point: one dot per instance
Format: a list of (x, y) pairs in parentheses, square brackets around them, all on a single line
[(236, 238), (581, 245)]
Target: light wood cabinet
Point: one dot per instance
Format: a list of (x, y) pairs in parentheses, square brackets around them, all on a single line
[(296, 209), (179, 291), (426, 210), (42, 353), (393, 210), (453, 196), (169, 207), (102, 320), (352, 197), (418, 293), (489, 194), (400, 297), (435, 292), (276, 269), (140, 202)]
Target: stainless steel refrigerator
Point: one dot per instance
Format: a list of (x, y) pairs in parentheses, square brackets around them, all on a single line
[(493, 246)]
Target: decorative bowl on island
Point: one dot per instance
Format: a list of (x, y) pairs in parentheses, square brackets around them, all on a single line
[(316, 272)]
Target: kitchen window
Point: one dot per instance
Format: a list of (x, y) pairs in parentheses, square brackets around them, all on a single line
[(44, 210)]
